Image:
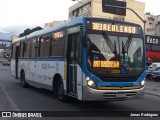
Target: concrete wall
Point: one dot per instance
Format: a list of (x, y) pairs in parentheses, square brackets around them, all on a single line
[(97, 9)]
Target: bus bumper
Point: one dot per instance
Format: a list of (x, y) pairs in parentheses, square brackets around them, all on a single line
[(90, 94)]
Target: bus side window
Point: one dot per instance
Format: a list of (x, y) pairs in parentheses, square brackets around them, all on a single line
[(33, 48), (44, 45), (57, 46), (38, 48), (26, 49), (21, 49)]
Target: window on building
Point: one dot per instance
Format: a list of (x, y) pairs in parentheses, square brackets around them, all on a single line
[(88, 5), (122, 19), (85, 7), (80, 10), (44, 45), (73, 12), (115, 18), (70, 15), (119, 18), (77, 13)]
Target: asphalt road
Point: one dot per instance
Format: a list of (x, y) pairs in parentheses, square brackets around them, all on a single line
[(15, 98)]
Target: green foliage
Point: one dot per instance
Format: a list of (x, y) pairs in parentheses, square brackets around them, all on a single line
[(28, 31)]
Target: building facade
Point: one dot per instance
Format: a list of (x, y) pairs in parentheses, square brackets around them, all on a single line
[(54, 23), (152, 37), (157, 26), (94, 8)]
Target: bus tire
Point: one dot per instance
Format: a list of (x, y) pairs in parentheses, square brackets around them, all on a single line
[(60, 91), (23, 81)]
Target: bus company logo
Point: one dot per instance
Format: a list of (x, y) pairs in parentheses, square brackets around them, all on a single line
[(6, 114)]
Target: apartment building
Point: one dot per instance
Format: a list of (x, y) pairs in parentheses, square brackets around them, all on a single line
[(54, 23), (152, 37), (152, 24), (94, 8)]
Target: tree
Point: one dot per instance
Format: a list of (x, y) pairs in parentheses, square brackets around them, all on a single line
[(29, 31)]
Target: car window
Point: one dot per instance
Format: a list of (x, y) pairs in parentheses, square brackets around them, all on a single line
[(153, 69), (149, 68), (154, 65), (158, 70)]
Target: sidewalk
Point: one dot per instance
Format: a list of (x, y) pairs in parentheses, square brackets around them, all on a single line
[(152, 88)]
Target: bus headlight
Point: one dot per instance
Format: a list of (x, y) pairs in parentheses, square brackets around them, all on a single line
[(143, 83), (90, 82)]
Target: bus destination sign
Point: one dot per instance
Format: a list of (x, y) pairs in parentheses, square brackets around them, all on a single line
[(57, 35), (119, 28), (106, 64)]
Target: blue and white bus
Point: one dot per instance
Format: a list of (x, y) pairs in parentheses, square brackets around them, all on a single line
[(90, 59)]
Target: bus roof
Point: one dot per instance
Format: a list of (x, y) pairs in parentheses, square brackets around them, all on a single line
[(79, 20)]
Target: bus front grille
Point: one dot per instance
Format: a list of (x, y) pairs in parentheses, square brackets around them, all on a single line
[(113, 95), (118, 79)]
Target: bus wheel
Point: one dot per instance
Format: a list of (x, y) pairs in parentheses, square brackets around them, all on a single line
[(60, 92), (23, 81)]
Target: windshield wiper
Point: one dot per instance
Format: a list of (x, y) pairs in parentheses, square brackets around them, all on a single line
[(111, 46), (128, 43), (126, 47)]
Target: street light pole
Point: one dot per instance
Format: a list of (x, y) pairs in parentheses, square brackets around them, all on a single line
[(83, 5)]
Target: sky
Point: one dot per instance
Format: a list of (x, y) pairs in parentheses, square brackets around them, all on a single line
[(152, 6), (33, 12)]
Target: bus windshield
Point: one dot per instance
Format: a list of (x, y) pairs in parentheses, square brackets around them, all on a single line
[(115, 54)]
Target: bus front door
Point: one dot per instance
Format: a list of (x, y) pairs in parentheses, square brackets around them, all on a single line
[(16, 60), (72, 61)]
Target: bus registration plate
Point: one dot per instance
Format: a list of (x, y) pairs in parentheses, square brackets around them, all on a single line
[(120, 94)]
